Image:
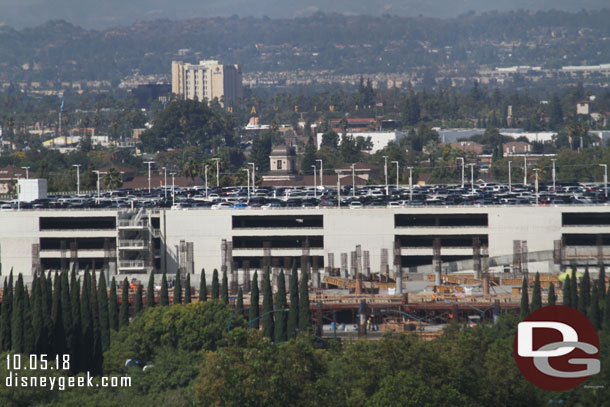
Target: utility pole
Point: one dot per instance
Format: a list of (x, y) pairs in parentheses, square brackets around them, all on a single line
[(321, 174), (165, 183), (462, 160), (173, 189), (217, 172), (314, 181), (385, 171), (353, 181), (253, 175), (510, 187), (410, 183), (98, 184), (248, 171), (149, 164), (536, 184), (77, 178), (605, 180), (554, 159), (471, 177), (397, 173), (206, 181), (27, 172), (524, 170)]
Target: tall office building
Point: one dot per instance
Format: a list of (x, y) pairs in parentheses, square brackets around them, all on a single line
[(207, 80)]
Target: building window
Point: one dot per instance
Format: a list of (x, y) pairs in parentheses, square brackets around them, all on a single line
[(279, 164)]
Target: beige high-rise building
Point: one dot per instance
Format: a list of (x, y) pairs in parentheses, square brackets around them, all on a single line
[(206, 81)]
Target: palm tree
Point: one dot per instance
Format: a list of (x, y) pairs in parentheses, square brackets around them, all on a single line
[(112, 179)]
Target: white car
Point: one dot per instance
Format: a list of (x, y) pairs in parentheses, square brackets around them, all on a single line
[(355, 205), (222, 205)]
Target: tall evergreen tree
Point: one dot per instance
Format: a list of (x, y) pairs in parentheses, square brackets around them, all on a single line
[(552, 297), (574, 290), (584, 294), (601, 283), (203, 289), (150, 292), (59, 335), (87, 327), (304, 316), (164, 295), (215, 288), (102, 299), (293, 315), (254, 301), (48, 314), (28, 329), (267, 312), (178, 288), (606, 314), (536, 294), (77, 332), (17, 340), (524, 308), (5, 325), (594, 312), (137, 308), (280, 334), (97, 355), (40, 337), (66, 310), (567, 291), (187, 289), (113, 307), (124, 312), (240, 301), (225, 288)]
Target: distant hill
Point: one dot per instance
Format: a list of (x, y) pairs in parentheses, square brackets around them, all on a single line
[(108, 13), (58, 50)]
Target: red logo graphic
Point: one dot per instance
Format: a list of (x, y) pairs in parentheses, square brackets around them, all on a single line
[(556, 348)]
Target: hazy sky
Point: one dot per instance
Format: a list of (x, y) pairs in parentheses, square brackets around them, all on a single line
[(106, 13)]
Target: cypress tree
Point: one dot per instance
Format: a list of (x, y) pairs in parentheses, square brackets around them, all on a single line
[(552, 298), (59, 335), (601, 282), (585, 292), (47, 311), (594, 312), (280, 306), (17, 322), (268, 328), (187, 290), (163, 295), (304, 316), (5, 325), (124, 312), (567, 291), (87, 329), (215, 288), (606, 314), (66, 310), (150, 292), (102, 299), (293, 315), (524, 308), (574, 291), (113, 307), (77, 329), (137, 308), (203, 289), (178, 288), (97, 352), (225, 288), (28, 329), (536, 295), (254, 301), (37, 322), (240, 301)]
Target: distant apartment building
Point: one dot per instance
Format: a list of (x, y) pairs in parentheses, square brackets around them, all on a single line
[(206, 81)]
